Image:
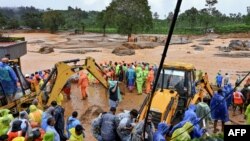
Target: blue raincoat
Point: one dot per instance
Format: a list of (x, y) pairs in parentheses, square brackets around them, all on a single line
[(221, 111), (162, 130), (8, 79), (219, 79), (71, 123), (108, 127), (190, 116), (228, 90), (131, 77)]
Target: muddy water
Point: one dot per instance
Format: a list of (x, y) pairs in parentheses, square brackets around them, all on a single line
[(204, 60), (96, 102)]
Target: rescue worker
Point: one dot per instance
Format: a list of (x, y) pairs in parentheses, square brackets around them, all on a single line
[(77, 133), (190, 116), (237, 82), (72, 121), (247, 115), (49, 136), (238, 100), (226, 79), (114, 93), (96, 127), (35, 116), (59, 118), (219, 79), (131, 78), (50, 128), (126, 125), (139, 79), (4, 125), (16, 131), (137, 132), (144, 76), (161, 132), (83, 83), (228, 90), (219, 110), (46, 115), (8, 80), (150, 80), (107, 126), (182, 134)]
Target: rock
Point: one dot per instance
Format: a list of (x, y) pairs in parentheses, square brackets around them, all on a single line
[(205, 43), (188, 52), (180, 40), (239, 45), (199, 48), (80, 51), (247, 44), (36, 42), (123, 51), (141, 45), (46, 50)]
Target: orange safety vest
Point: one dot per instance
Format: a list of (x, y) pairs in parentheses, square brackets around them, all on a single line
[(237, 98)]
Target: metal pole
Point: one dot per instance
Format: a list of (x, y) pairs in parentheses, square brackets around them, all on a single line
[(177, 9)]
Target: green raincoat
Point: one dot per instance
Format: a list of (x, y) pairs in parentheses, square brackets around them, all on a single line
[(247, 113), (182, 134)]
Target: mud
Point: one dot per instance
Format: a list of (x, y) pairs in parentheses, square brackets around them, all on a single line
[(205, 60)]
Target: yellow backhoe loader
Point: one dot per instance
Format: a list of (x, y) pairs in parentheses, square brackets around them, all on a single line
[(177, 89), (57, 79)]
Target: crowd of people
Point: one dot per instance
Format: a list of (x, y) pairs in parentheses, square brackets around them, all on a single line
[(49, 124)]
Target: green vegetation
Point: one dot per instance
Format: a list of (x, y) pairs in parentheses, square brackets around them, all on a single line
[(124, 17)]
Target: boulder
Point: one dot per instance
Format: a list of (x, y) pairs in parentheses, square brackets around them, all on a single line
[(46, 50), (239, 45), (141, 45), (80, 51), (204, 43), (123, 51)]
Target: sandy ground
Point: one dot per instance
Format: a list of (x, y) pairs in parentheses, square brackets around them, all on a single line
[(203, 60)]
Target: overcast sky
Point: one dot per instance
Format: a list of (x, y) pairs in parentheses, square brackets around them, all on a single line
[(162, 7)]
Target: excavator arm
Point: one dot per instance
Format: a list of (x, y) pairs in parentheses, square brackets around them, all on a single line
[(62, 72), (202, 87)]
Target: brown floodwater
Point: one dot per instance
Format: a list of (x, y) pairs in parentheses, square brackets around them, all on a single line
[(97, 100)]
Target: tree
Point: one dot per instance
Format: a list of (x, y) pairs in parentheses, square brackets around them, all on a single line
[(52, 20), (131, 16), (32, 20), (2, 21), (156, 16), (170, 17), (191, 15), (12, 24), (210, 4)]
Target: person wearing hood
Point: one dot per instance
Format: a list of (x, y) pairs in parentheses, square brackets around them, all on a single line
[(247, 115), (96, 127), (182, 134), (131, 78), (4, 125), (219, 110), (46, 115), (139, 79), (50, 128), (219, 79), (8, 80), (72, 121), (190, 116), (161, 132), (35, 116), (77, 133), (114, 93), (59, 117), (16, 130)]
